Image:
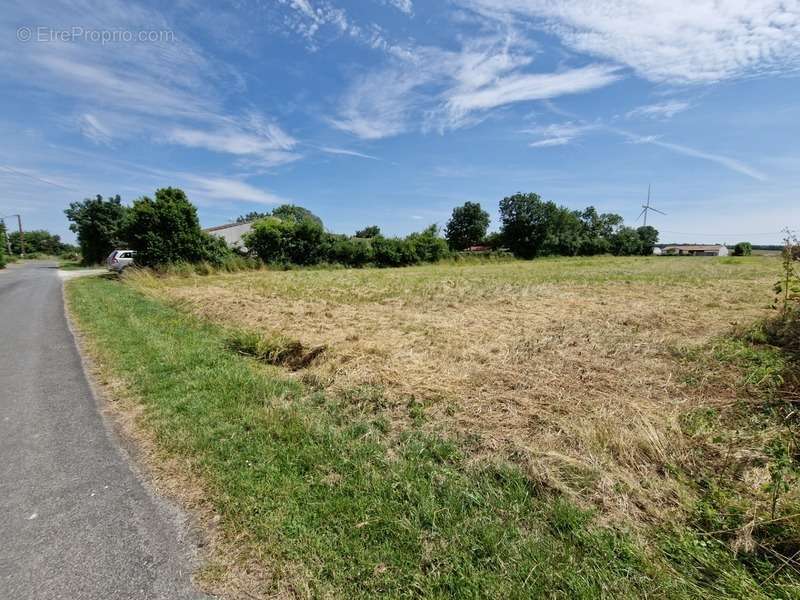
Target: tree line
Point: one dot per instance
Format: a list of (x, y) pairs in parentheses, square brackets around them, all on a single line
[(166, 229)]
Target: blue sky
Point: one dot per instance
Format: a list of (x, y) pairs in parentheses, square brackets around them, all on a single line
[(392, 112)]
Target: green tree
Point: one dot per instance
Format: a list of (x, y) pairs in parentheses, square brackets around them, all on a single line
[(2, 245), (648, 238), (598, 229), (167, 230), (37, 240), (251, 216), (467, 226), (279, 240), (369, 232), (427, 245), (527, 221), (565, 232), (290, 212), (97, 223), (626, 242), (743, 249)]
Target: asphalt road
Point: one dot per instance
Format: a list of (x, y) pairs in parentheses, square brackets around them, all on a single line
[(76, 521)]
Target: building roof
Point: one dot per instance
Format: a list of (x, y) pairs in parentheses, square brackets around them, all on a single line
[(226, 226)]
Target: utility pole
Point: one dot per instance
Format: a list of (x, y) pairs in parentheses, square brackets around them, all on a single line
[(21, 236)]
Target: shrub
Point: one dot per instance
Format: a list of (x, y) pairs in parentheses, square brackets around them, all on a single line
[(626, 242), (743, 249), (428, 246), (393, 252), (352, 252), (167, 230), (281, 241)]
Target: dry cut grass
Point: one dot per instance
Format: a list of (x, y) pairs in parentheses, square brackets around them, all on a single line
[(565, 366)]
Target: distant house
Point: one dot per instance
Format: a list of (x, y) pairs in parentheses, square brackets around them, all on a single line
[(232, 233), (695, 250)]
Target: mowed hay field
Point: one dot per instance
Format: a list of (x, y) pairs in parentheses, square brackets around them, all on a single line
[(574, 369)]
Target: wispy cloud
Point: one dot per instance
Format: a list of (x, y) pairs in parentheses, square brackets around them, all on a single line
[(442, 89), (525, 87), (381, 103), (665, 110), (266, 143), (404, 6), (92, 128), (229, 189), (725, 161), (144, 90), (682, 41), (558, 134), (345, 152), (34, 175)]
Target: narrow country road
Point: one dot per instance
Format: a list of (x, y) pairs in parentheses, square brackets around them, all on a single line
[(76, 522)]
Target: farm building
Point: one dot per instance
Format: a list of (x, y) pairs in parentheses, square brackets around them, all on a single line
[(695, 250), (232, 233)]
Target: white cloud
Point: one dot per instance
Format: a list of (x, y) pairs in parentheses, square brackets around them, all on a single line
[(269, 145), (92, 128), (681, 41), (231, 190), (558, 134), (525, 87), (381, 103), (35, 176), (157, 90), (727, 162), (724, 161), (441, 89), (345, 152), (404, 6), (666, 109)]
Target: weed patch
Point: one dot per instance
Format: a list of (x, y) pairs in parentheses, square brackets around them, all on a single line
[(275, 350)]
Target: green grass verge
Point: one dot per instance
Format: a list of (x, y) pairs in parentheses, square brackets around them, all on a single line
[(335, 508)]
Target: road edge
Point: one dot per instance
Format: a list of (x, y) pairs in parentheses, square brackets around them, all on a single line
[(137, 449)]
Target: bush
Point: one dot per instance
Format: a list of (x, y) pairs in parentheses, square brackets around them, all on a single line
[(283, 241), (393, 252), (626, 242), (743, 249), (428, 246), (167, 230), (352, 252)]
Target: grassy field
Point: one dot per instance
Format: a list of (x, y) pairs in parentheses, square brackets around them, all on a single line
[(561, 428)]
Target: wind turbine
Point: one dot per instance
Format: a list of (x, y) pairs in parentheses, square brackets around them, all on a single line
[(647, 208)]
